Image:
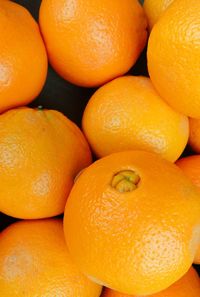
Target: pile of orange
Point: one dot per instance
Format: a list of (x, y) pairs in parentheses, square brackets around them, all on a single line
[(126, 185)]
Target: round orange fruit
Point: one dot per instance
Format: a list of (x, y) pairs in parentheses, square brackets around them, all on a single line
[(154, 9), (137, 217), (188, 285), (191, 167), (174, 56), (23, 59), (41, 153), (91, 42), (194, 136), (34, 261), (127, 113)]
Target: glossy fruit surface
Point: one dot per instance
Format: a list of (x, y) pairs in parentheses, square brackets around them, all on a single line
[(174, 56), (191, 167), (194, 136), (127, 113), (41, 153), (34, 261), (23, 59), (187, 286), (91, 42), (137, 217), (154, 9)]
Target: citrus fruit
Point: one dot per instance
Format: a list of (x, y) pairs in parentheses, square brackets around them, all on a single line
[(188, 285), (194, 135), (34, 261), (137, 217), (154, 9), (127, 113), (91, 42), (41, 153), (197, 256), (174, 56), (191, 167), (23, 59)]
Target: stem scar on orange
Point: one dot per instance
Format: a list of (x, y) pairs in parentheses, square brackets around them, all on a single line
[(137, 217)]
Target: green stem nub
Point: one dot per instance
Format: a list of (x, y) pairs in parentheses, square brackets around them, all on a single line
[(125, 181), (40, 107)]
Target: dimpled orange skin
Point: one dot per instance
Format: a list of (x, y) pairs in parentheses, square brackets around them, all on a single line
[(128, 114), (41, 153), (174, 56), (194, 136), (154, 9), (191, 168), (23, 59), (34, 261), (137, 242), (187, 286), (91, 42)]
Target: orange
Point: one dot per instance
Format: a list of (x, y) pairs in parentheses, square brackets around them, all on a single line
[(34, 261), (127, 113), (191, 167), (154, 9), (194, 136), (91, 42), (187, 286), (174, 56), (41, 153), (132, 222), (23, 59)]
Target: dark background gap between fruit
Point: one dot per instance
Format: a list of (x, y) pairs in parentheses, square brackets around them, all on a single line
[(61, 95)]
